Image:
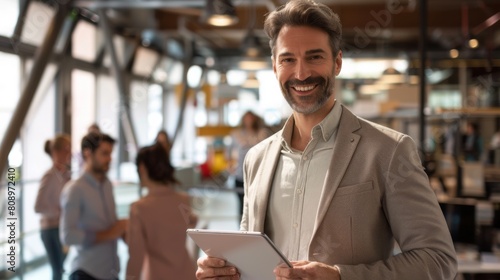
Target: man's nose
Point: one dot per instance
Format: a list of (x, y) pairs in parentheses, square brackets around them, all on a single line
[(302, 70)]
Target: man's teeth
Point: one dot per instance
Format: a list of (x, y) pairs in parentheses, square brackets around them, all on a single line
[(304, 88)]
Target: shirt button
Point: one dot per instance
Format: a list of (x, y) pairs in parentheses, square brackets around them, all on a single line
[(299, 191), (295, 225), (305, 157)]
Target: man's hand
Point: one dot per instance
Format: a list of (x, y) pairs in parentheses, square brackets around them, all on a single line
[(215, 268), (123, 226), (306, 270), (114, 232)]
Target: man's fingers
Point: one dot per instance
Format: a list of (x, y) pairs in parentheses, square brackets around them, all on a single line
[(235, 277), (299, 263), (228, 273), (215, 268), (211, 262), (289, 273), (283, 272)]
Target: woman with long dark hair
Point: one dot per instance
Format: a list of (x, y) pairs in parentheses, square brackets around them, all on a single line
[(156, 233)]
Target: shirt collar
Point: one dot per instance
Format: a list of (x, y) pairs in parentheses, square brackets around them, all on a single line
[(92, 180), (326, 128), (65, 174)]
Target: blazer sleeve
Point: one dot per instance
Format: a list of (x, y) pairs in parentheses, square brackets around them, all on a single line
[(417, 223), (136, 240)]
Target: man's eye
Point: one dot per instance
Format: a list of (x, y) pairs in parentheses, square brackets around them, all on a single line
[(287, 60)]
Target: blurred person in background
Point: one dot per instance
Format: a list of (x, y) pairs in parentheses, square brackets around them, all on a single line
[(472, 143), (495, 141), (494, 149), (156, 233), (88, 220), (94, 128), (163, 139), (250, 132), (47, 200)]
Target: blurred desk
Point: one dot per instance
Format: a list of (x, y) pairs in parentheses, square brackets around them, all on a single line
[(489, 264), (492, 173)]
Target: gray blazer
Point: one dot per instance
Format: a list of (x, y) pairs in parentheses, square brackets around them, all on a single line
[(375, 193)]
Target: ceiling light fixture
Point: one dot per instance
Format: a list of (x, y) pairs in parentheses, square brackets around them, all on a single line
[(251, 45), (473, 43), (219, 13), (454, 53), (391, 76), (251, 81), (254, 64)]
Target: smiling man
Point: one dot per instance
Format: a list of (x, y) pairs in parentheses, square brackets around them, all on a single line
[(333, 191)]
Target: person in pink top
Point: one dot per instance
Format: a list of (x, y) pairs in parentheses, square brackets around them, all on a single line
[(47, 200), (156, 233)]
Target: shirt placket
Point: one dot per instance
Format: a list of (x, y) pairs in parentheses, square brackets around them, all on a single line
[(298, 199)]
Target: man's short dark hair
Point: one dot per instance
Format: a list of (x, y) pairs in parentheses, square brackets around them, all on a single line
[(304, 13), (93, 140)]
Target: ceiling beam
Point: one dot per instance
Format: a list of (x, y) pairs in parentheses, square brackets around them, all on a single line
[(158, 4), (134, 4)]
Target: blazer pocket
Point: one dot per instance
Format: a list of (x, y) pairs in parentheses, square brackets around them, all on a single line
[(354, 189)]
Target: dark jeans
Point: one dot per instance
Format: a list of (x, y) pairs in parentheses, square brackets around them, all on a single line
[(54, 248), (239, 186), (81, 275)]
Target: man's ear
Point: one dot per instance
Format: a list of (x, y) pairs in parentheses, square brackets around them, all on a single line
[(86, 153), (338, 63)]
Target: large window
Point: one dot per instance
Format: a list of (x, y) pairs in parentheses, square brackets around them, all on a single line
[(36, 23), (83, 110), (38, 126), (84, 41), (139, 111), (448, 98), (107, 115), (10, 85), (146, 103), (8, 17)]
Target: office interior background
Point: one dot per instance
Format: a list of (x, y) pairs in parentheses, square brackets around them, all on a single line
[(427, 68)]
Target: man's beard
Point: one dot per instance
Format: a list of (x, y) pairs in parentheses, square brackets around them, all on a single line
[(100, 168), (310, 103)]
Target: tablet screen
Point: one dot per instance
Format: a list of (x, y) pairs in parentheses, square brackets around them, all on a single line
[(252, 253)]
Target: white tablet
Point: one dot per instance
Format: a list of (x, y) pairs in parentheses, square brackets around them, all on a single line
[(252, 253)]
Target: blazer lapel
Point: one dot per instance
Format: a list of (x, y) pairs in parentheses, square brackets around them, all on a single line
[(345, 144), (264, 183)]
